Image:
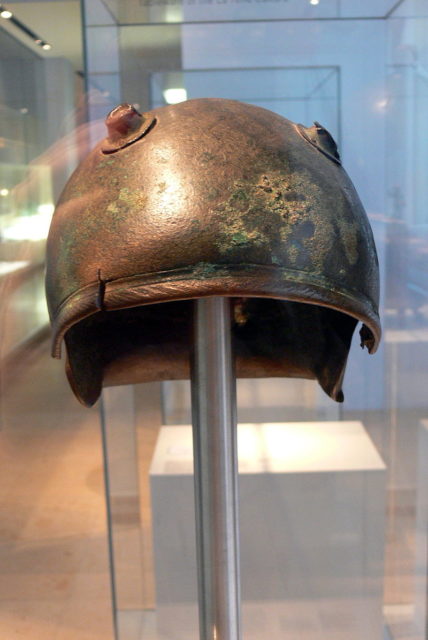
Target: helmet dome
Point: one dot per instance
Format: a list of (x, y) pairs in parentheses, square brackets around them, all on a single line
[(209, 197)]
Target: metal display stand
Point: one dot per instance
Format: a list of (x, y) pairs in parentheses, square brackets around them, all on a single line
[(215, 476), (215, 470)]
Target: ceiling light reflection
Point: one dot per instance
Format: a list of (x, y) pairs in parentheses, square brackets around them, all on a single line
[(381, 104), (174, 96), (34, 227), (46, 209)]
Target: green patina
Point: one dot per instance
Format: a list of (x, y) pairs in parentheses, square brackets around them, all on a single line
[(108, 161), (240, 194), (293, 253), (240, 238), (281, 216), (212, 194), (206, 156), (125, 193), (132, 198), (349, 236), (238, 232), (112, 208), (320, 244), (204, 270), (117, 214)]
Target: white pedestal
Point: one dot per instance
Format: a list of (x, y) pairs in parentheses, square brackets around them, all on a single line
[(312, 501)]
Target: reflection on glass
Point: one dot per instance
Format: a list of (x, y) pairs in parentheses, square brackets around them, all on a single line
[(169, 11), (37, 106), (300, 94)]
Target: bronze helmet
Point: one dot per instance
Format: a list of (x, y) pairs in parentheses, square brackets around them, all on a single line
[(209, 197)]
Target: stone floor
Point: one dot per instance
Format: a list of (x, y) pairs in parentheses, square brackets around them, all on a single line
[(54, 579)]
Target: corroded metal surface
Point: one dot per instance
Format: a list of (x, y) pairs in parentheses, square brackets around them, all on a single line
[(210, 197)]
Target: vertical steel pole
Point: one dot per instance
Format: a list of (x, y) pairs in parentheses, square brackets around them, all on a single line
[(215, 471)]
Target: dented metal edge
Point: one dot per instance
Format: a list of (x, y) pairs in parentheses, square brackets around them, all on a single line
[(205, 280)]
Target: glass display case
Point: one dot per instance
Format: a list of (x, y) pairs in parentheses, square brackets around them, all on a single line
[(334, 504), (37, 153)]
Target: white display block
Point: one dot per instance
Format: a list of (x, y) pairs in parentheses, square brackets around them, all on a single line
[(312, 498)]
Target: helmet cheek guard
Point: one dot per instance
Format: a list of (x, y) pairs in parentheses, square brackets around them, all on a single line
[(210, 197)]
